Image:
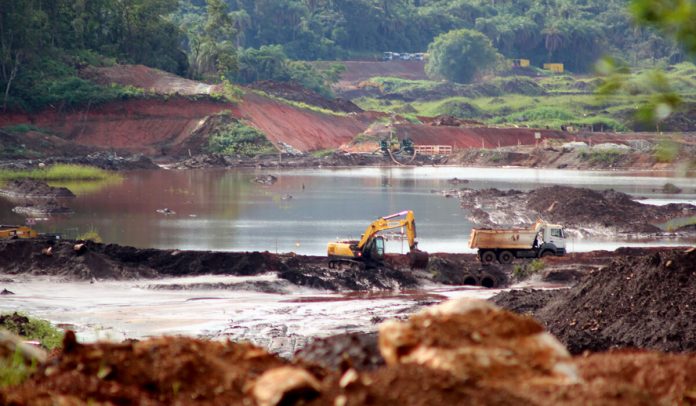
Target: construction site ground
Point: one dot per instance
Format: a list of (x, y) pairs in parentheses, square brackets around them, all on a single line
[(457, 352)]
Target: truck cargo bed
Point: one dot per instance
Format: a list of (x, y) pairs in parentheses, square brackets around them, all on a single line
[(514, 238)]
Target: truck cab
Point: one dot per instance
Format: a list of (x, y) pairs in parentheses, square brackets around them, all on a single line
[(553, 240)]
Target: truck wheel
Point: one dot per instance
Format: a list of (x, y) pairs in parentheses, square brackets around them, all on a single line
[(488, 257), (546, 253), (505, 257)]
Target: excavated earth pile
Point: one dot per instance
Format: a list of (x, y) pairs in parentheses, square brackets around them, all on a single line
[(643, 302), (88, 261), (32, 189), (582, 210), (646, 301), (459, 352)]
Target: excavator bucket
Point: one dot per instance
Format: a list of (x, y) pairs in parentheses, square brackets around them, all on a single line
[(418, 259)]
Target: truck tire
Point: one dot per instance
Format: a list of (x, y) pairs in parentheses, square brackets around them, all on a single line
[(546, 253), (487, 257), (505, 257)]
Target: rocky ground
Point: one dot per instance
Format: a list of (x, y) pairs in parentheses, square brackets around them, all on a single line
[(582, 211)]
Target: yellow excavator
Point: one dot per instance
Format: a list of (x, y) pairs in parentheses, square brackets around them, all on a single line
[(368, 252), (14, 232)]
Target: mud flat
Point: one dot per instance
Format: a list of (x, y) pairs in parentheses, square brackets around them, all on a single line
[(583, 211)]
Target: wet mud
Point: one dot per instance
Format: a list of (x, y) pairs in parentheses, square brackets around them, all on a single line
[(583, 211), (93, 261)]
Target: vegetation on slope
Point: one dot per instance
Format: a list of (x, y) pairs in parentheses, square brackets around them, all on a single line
[(543, 101)]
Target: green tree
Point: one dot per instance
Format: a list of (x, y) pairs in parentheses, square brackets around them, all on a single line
[(460, 55), (213, 52)]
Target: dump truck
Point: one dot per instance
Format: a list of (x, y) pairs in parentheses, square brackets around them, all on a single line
[(540, 240)]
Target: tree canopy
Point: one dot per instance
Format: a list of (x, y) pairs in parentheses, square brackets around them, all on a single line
[(459, 55)]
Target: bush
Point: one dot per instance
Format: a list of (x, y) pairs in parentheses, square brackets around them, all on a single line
[(525, 271), (239, 139), (459, 109), (90, 235), (608, 157), (543, 113), (666, 151), (22, 128), (33, 329)]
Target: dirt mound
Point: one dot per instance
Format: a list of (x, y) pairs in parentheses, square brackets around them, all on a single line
[(343, 351), (608, 208), (111, 261), (667, 378), (525, 301), (465, 272), (41, 209), (154, 372), (295, 92), (644, 302), (317, 277), (581, 210), (33, 189)]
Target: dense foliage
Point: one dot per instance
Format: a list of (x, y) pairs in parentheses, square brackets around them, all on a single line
[(43, 43), (574, 32), (459, 55)]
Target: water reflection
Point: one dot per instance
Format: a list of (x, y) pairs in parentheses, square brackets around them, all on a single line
[(304, 209)]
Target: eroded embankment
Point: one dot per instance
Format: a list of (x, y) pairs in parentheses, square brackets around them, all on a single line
[(585, 211)]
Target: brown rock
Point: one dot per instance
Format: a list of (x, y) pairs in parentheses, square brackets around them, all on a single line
[(476, 339)]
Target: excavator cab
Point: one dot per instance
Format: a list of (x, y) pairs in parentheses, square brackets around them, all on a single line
[(374, 249)]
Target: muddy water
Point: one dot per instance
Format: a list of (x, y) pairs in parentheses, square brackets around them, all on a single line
[(225, 210), (281, 322)]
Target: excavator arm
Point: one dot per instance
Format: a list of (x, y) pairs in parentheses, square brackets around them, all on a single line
[(388, 223), (418, 258)]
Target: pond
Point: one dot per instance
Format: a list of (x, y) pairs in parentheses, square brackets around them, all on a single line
[(305, 209)]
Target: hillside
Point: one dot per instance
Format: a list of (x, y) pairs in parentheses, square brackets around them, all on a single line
[(176, 116)]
